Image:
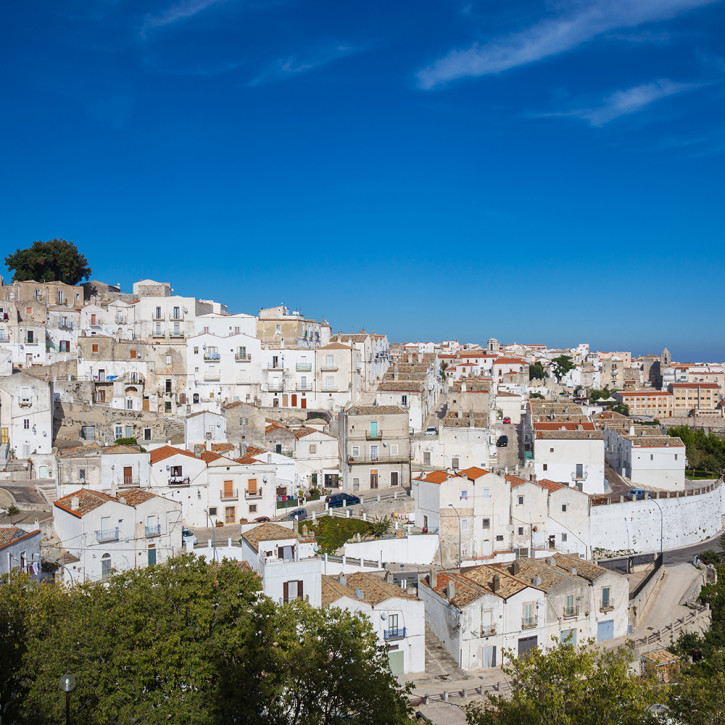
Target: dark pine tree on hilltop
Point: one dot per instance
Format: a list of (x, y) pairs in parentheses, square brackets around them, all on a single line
[(53, 261)]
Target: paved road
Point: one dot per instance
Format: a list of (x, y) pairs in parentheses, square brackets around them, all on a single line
[(508, 456), (686, 555)]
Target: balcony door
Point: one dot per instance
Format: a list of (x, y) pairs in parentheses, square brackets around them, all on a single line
[(127, 475)]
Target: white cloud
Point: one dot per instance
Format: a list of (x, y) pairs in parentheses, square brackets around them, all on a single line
[(179, 11), (582, 23), (631, 100), (293, 65)]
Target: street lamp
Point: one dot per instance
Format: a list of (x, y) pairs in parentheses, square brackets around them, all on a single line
[(213, 531), (67, 684), (459, 533)]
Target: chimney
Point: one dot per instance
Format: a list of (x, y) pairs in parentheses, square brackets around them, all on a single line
[(388, 576), (631, 430), (75, 503), (516, 567), (296, 526), (359, 593), (496, 583), (342, 579), (536, 581), (572, 571), (451, 589), (551, 561), (122, 500), (433, 579)]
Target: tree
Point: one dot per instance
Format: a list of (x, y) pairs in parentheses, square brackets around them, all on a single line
[(536, 371), (570, 686), (562, 365), (53, 261), (189, 642), (698, 698)]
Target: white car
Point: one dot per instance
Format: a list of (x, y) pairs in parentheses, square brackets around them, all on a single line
[(431, 430), (188, 536)]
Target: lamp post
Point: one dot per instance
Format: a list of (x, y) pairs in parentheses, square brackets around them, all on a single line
[(67, 685), (662, 526), (213, 531), (459, 533)]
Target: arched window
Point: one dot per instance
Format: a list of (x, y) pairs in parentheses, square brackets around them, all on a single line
[(196, 397), (105, 566)]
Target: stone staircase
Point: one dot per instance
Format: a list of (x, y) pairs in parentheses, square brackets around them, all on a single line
[(47, 489), (438, 661), (172, 429)]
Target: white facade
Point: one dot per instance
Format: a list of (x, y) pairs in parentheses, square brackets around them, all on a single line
[(26, 416), (572, 461)]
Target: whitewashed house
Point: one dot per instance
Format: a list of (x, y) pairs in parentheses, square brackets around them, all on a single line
[(107, 533), (26, 416)]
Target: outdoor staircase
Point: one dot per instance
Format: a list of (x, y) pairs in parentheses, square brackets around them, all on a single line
[(173, 428), (438, 660), (47, 489)]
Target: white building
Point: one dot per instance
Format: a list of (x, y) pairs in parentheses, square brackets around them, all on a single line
[(398, 618), (285, 560), (106, 533), (26, 416)]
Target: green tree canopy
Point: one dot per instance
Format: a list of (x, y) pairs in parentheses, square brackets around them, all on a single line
[(570, 686), (562, 365), (53, 261), (536, 371), (188, 642)]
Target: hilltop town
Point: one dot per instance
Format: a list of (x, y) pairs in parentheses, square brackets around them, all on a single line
[(478, 497)]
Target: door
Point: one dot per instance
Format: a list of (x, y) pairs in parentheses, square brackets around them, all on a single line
[(284, 400), (152, 555), (42, 471), (397, 662), (605, 630), (145, 403), (101, 375), (294, 400), (394, 478), (373, 430), (373, 478), (4, 435), (127, 475), (568, 636), (303, 403), (488, 657), (526, 644)]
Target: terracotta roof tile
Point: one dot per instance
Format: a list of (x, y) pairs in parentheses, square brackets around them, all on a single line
[(375, 589), (161, 454)]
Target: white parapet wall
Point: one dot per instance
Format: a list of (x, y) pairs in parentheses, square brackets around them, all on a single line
[(415, 549), (672, 523)]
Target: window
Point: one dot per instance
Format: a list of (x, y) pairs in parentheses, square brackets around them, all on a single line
[(606, 598), (196, 350), (167, 406), (228, 489), (579, 470), (563, 508), (455, 463), (394, 449), (82, 475), (546, 466), (521, 530), (26, 423), (129, 403), (551, 450), (147, 434), (313, 449), (252, 486), (157, 315), (373, 453), (330, 382), (292, 590), (119, 431), (486, 523), (252, 508), (133, 354), (486, 493), (212, 511), (168, 359), (404, 400), (464, 495), (426, 458), (521, 500), (28, 310), (569, 606), (355, 451), (527, 615), (105, 566), (564, 537), (94, 347), (230, 514), (499, 537), (177, 313), (168, 385)]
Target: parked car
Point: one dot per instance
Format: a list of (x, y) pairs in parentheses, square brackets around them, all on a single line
[(502, 441), (337, 500), (637, 494), (261, 519), (188, 536), (506, 420), (298, 514), (431, 430)]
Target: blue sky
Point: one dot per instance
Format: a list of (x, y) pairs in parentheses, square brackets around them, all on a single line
[(534, 171)]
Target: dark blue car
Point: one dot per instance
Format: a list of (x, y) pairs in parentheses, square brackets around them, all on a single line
[(337, 500)]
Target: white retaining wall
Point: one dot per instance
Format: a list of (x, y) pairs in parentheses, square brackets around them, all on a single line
[(637, 525), (417, 549)]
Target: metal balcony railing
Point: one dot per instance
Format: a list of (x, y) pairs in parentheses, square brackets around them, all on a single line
[(580, 477), (103, 535), (242, 358), (130, 483), (303, 367), (230, 495), (253, 494), (211, 356), (528, 622), (154, 530), (275, 366), (329, 368), (570, 612), (275, 387), (369, 435), (394, 633), (178, 481)]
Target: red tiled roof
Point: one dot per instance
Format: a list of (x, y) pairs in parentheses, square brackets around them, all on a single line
[(473, 472), (435, 477), (160, 454)]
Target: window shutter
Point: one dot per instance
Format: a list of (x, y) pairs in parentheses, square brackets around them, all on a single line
[(300, 593), (285, 592)]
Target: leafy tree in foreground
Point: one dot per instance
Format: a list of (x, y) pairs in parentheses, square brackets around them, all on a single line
[(698, 698), (188, 642), (570, 686), (53, 261)]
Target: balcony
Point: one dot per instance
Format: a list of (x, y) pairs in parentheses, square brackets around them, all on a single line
[(394, 633), (243, 358), (528, 622), (158, 316), (606, 607), (25, 402), (250, 495), (303, 367), (488, 631), (65, 325), (211, 357), (332, 368), (104, 535), (230, 495), (306, 388), (378, 435), (178, 481), (177, 333), (130, 483), (275, 387), (570, 612), (275, 366), (32, 343), (152, 530), (581, 477), (212, 376)]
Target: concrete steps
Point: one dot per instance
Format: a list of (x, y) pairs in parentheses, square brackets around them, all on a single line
[(438, 661), (48, 489)]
